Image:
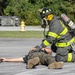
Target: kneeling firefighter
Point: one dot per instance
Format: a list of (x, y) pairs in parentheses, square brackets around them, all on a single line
[(58, 36)]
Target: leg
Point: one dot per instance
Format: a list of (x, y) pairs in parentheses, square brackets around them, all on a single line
[(63, 54), (50, 61), (56, 65), (33, 59), (32, 62)]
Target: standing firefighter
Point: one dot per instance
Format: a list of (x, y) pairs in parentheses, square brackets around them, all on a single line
[(58, 36)]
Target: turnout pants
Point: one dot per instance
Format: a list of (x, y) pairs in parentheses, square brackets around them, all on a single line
[(66, 54)]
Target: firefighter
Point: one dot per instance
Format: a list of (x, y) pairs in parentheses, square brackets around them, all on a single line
[(36, 57), (58, 37)]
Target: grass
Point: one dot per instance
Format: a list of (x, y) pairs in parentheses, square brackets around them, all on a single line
[(19, 34)]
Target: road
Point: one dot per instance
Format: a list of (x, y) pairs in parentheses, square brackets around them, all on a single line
[(26, 28), (18, 47)]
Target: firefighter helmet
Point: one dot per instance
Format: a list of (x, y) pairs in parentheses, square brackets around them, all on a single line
[(46, 12)]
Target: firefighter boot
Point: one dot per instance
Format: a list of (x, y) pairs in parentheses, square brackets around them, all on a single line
[(56, 65), (33, 62)]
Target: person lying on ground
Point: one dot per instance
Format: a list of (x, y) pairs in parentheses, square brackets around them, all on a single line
[(35, 58)]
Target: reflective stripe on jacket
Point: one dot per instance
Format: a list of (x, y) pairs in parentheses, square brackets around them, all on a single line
[(57, 36), (69, 57)]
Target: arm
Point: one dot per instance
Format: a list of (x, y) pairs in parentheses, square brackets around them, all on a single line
[(12, 60), (48, 50)]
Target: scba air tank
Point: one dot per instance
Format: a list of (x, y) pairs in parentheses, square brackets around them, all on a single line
[(68, 21)]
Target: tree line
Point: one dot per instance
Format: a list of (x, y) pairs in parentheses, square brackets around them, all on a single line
[(27, 10)]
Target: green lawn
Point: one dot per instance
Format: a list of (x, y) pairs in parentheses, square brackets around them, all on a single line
[(19, 34)]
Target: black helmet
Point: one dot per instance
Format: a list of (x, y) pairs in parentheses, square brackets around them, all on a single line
[(46, 12)]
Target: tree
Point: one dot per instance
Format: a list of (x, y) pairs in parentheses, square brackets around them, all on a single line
[(27, 10), (3, 5), (68, 7)]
